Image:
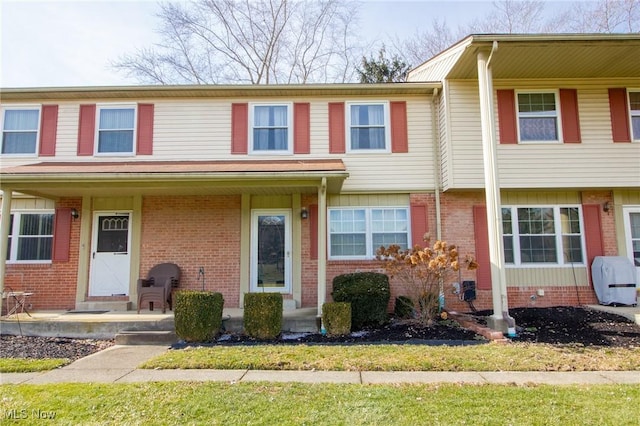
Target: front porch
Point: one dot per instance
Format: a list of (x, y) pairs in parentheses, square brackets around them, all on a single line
[(109, 324)]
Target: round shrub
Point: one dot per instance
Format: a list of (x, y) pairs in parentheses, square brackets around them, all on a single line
[(368, 293), (336, 317), (198, 315)]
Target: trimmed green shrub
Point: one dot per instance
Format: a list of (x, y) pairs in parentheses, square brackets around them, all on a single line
[(404, 308), (368, 293), (198, 315), (262, 315), (336, 317)]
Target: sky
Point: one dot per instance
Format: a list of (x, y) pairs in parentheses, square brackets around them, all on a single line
[(59, 43)]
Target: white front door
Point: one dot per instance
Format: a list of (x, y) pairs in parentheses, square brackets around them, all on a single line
[(271, 251), (110, 254), (632, 233)]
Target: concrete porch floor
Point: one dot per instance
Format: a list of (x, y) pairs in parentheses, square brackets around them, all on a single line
[(106, 325)]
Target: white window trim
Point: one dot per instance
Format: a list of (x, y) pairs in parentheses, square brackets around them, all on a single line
[(558, 237), (557, 116), (100, 107), (387, 128), (370, 251), (21, 107), (632, 114), (290, 129), (14, 238)]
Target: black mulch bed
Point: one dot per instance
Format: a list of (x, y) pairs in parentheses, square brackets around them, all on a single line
[(556, 325), (572, 325)]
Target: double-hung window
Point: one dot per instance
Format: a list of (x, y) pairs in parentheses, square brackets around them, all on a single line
[(538, 117), (20, 130), (116, 130), (550, 235), (271, 129), (30, 237), (634, 107), (368, 126), (356, 233)]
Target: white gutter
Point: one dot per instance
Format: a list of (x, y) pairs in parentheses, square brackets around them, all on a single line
[(500, 319)]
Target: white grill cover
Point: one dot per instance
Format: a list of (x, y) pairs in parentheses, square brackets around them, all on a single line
[(614, 280)]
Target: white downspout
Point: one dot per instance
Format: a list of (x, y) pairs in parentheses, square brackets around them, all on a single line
[(322, 244), (5, 216), (500, 319), (436, 162)]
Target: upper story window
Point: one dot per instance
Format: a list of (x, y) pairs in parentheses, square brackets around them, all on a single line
[(271, 128), (116, 129), (30, 237), (356, 233), (538, 117), (368, 126), (543, 235), (20, 130), (634, 107)]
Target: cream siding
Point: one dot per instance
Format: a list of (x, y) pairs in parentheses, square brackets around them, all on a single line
[(547, 277), (365, 200), (597, 162)]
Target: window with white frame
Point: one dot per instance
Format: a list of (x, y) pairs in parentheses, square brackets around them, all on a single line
[(543, 235), (20, 130), (368, 126), (538, 117), (356, 233), (270, 128), (116, 129), (634, 107), (30, 237)]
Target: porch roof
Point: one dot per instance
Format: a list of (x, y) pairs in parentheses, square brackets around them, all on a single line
[(73, 179)]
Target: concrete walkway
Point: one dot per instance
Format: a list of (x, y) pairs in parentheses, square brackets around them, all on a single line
[(119, 364)]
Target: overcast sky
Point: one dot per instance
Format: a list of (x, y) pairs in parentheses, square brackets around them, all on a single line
[(72, 42)]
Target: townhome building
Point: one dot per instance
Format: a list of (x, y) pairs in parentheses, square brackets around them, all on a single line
[(280, 188)]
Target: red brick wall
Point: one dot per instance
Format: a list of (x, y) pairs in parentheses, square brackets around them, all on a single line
[(53, 284), (194, 232)]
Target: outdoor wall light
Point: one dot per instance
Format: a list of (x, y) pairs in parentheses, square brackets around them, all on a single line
[(75, 214), (606, 207), (304, 213)]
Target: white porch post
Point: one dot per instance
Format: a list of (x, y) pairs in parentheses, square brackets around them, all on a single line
[(500, 320), (322, 244), (7, 196)]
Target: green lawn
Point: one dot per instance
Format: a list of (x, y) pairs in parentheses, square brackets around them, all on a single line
[(298, 404), (486, 357), (23, 365)]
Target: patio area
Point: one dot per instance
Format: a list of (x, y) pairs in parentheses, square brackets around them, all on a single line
[(108, 324)]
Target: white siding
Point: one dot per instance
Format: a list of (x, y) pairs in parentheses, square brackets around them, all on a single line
[(596, 162)]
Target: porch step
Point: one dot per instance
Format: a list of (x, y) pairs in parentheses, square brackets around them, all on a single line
[(115, 305), (138, 337)]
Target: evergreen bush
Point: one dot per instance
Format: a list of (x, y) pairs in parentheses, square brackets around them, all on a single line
[(403, 308), (262, 315), (336, 317), (198, 315), (368, 293)]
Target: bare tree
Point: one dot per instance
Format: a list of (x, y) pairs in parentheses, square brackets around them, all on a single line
[(249, 41), (606, 16)]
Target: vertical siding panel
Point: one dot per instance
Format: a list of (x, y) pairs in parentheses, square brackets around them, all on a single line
[(419, 224), (61, 235), (592, 231), (301, 128), (481, 234), (570, 117), (619, 115), (336, 128), (507, 116), (313, 224), (86, 129), (145, 129), (399, 138), (239, 128), (48, 130)]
